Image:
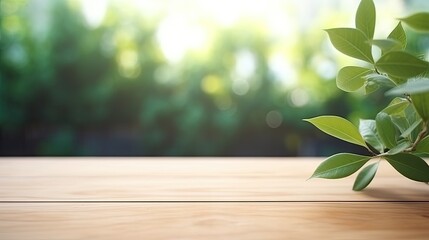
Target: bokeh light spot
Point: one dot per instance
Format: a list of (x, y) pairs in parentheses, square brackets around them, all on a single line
[(240, 87), (274, 119), (299, 97), (211, 84), (129, 64)]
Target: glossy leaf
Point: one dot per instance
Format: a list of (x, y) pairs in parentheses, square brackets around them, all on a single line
[(340, 165), (412, 116), (352, 78), (413, 86), (401, 122), (401, 64), (399, 35), (386, 129), (410, 166), (368, 130), (371, 87), (351, 42), (380, 80), (400, 147), (338, 127), (365, 18), (421, 103), (423, 145), (411, 128), (408, 125), (387, 44), (418, 21), (365, 177), (398, 80), (396, 106)]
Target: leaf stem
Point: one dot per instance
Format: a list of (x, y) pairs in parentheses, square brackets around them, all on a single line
[(372, 151), (421, 135), (385, 75), (376, 70)]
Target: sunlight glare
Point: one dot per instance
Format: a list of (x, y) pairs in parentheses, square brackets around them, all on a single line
[(177, 35), (282, 70), (94, 11), (245, 64)]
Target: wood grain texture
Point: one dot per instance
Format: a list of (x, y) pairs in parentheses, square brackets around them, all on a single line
[(202, 198), (268, 221), (191, 179)]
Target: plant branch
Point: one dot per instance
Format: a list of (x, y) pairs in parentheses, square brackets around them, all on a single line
[(421, 135)]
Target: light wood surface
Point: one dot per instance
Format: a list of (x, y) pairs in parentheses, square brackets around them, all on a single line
[(214, 221), (202, 198)]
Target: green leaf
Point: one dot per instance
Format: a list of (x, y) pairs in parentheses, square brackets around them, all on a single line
[(396, 106), (412, 116), (398, 80), (421, 103), (401, 122), (423, 145), (387, 44), (411, 166), (380, 80), (418, 21), (351, 78), (365, 18), (340, 165), (365, 177), (338, 127), (410, 129), (399, 35), (368, 130), (413, 86), (371, 87), (401, 64), (386, 129), (408, 124), (399, 148), (351, 42)]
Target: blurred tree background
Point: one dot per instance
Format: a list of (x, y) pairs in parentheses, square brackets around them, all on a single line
[(182, 78)]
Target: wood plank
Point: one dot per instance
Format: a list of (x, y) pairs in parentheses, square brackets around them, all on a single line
[(195, 179), (268, 221)]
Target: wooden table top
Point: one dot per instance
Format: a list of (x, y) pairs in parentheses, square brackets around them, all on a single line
[(202, 198)]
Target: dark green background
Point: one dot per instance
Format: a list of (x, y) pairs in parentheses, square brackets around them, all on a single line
[(62, 93)]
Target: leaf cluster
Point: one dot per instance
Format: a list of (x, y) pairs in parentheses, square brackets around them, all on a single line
[(399, 132)]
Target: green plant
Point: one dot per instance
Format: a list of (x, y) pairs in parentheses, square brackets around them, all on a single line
[(399, 132)]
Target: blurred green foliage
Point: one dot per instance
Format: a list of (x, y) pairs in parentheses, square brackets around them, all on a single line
[(68, 88)]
